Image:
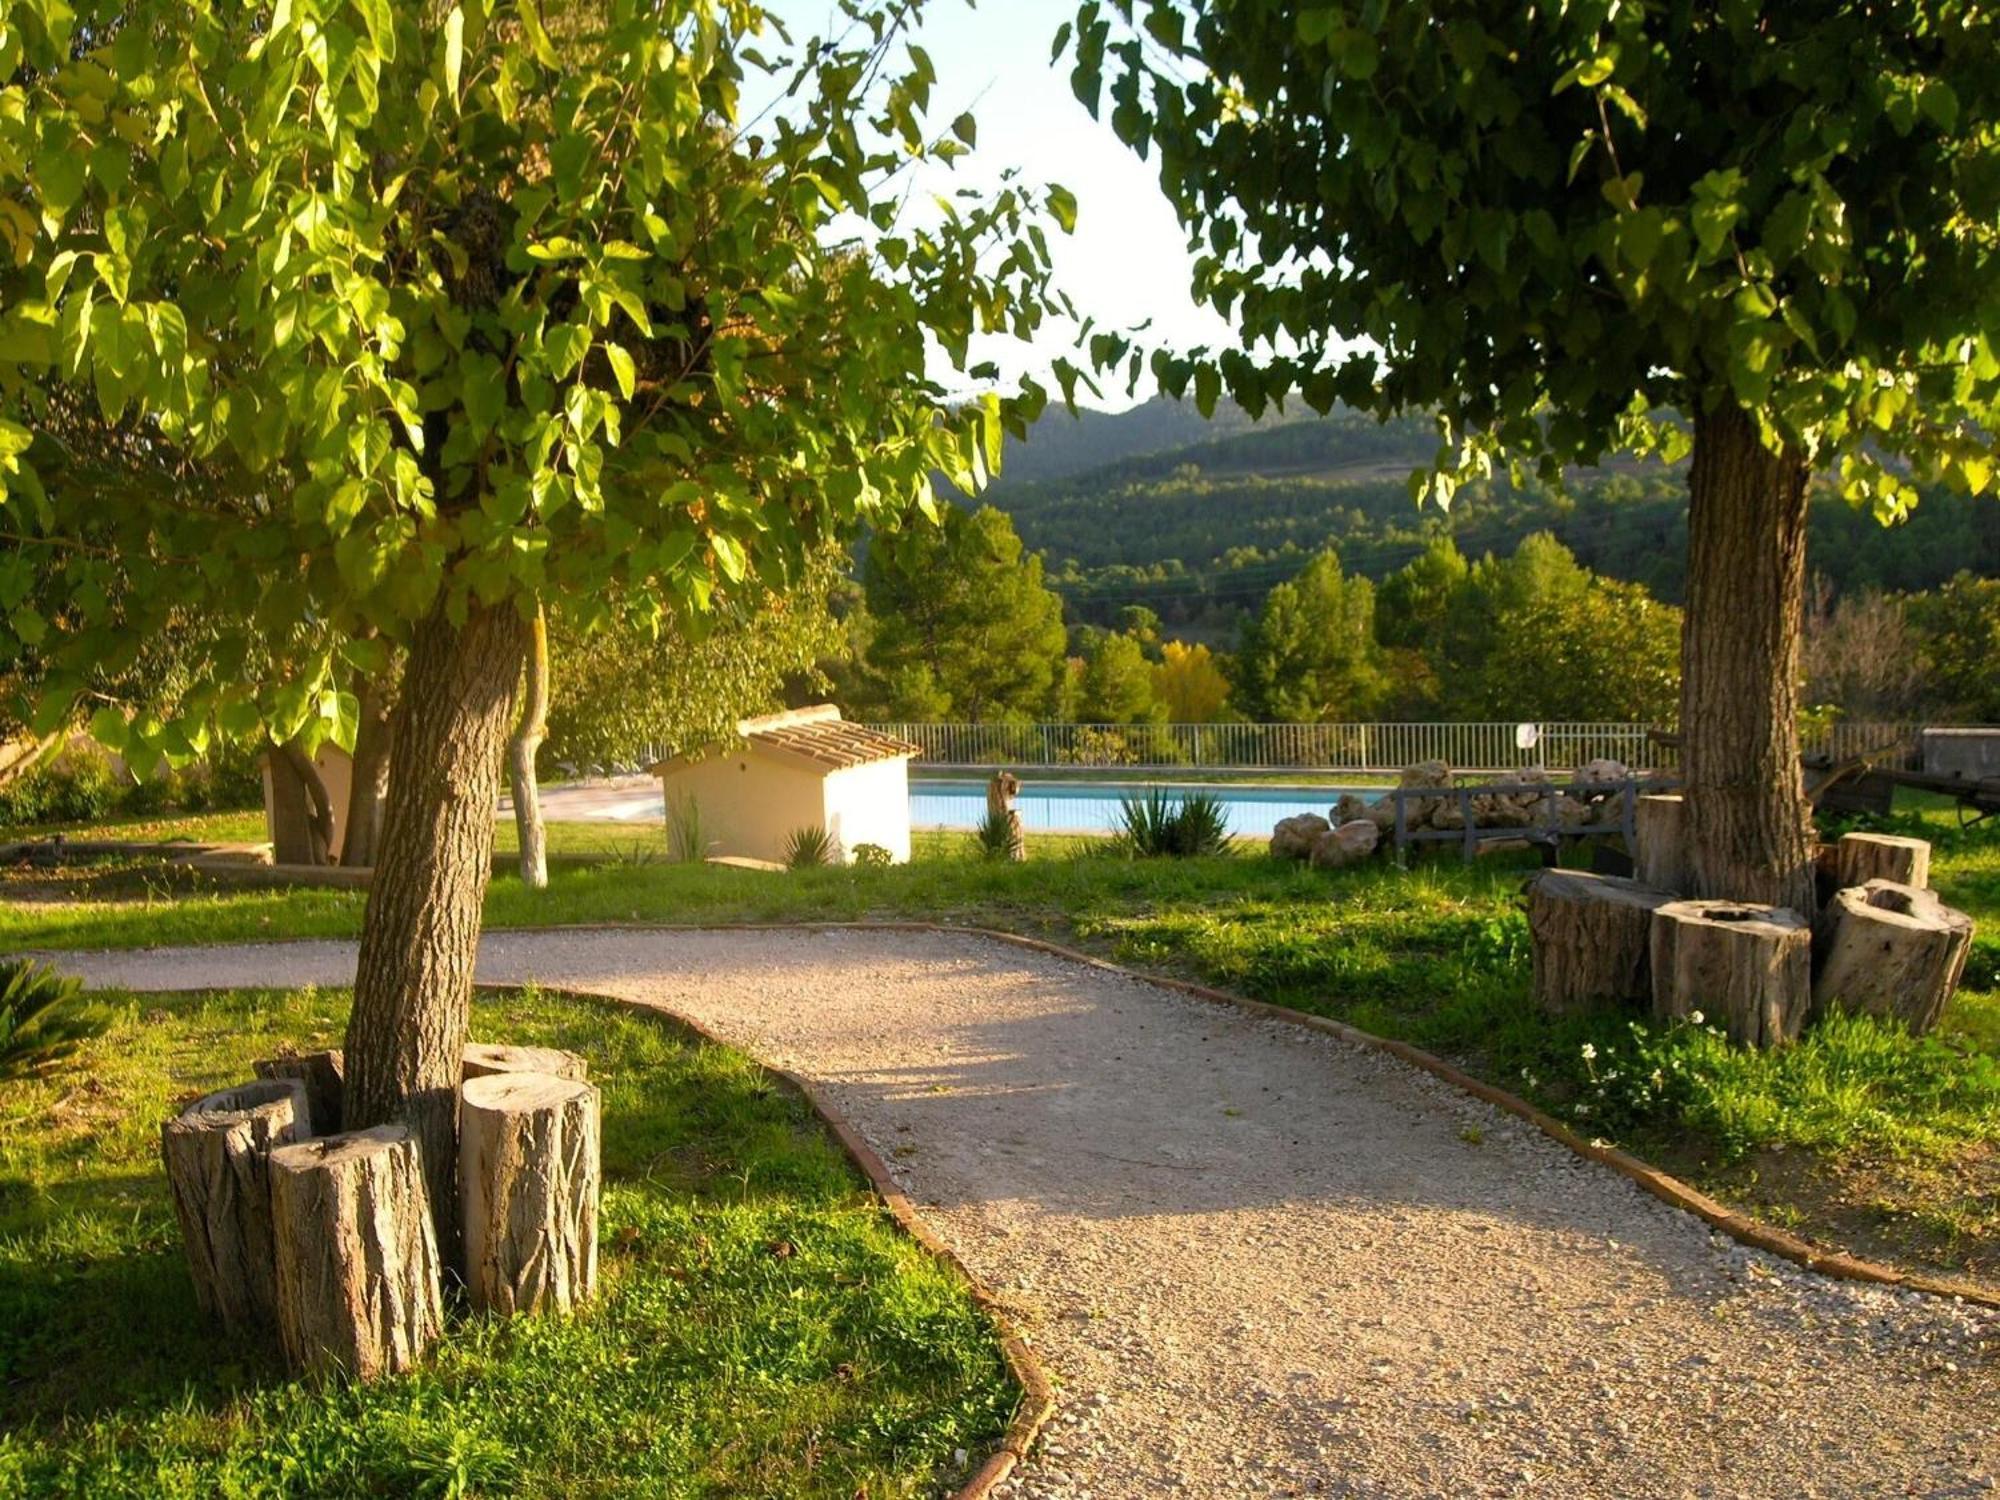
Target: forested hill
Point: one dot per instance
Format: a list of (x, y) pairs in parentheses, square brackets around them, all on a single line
[(1129, 511)]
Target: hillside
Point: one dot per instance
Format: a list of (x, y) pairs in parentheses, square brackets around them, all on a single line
[(1200, 530)]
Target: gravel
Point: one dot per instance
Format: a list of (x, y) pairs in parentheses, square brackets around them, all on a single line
[(1259, 1261)]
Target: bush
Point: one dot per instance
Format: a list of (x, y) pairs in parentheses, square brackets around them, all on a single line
[(996, 835), (42, 1017), (686, 842), (808, 848), (83, 784), (1161, 824), (873, 855)]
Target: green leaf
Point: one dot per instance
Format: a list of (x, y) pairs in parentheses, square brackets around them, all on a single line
[(111, 729), (729, 556), (1207, 389), (622, 369), (1939, 103), (1062, 203), (454, 50)]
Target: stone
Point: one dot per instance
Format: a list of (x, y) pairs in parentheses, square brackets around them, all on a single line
[(1295, 837)]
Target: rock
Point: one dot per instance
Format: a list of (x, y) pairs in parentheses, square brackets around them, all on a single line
[(1348, 844), (1348, 808), (1295, 837), (1602, 775), (1425, 773)]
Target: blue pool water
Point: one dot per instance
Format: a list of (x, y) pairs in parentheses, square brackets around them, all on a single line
[(1095, 806)]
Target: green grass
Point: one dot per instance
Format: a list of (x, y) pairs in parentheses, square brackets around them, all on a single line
[(763, 1329)]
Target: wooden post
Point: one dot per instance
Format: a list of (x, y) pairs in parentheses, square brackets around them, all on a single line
[(1745, 965), (483, 1059), (320, 1072), (1661, 856), (357, 1262), (1592, 938), (528, 1178), (1862, 857), (215, 1152), (1890, 950)]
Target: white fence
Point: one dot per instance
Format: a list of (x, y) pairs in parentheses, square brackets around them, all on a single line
[(1369, 748)]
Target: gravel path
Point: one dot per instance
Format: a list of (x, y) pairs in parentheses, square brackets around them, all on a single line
[(1260, 1261)]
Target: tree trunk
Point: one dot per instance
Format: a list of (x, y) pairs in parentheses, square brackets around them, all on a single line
[(420, 933), (484, 1059), (320, 1072), (1659, 823), (357, 1266), (1748, 967), (1891, 950), (319, 803), (1591, 937), (528, 1179), (1862, 857), (521, 751), (1748, 823), (216, 1153), (370, 787)]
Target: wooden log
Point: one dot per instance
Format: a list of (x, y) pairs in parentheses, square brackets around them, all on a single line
[(1745, 965), (1891, 950), (216, 1152), (1862, 857), (528, 1181), (1661, 858), (1592, 938), (483, 1059), (321, 1074), (357, 1259)]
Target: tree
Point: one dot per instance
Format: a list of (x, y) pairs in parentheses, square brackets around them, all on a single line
[(1190, 682), (1551, 225), (959, 614), (1117, 684), (1310, 655), (1863, 656), (1412, 604), (1609, 651), (1960, 628), (1540, 572), (399, 320)]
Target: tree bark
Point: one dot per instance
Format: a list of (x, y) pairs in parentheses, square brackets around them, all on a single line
[(1659, 824), (528, 1178), (357, 1266), (1888, 949), (370, 787), (1747, 966), (320, 1072), (521, 751), (420, 933), (1748, 822), (216, 1155), (1591, 936)]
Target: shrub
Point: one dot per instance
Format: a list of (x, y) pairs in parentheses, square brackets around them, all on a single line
[(1160, 824), (808, 848), (996, 835), (872, 854), (686, 843), (42, 1016)]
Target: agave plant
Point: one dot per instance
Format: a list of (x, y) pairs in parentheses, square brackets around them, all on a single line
[(808, 847), (42, 1016), (1159, 823), (996, 835)]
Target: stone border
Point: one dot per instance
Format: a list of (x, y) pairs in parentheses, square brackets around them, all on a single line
[(1023, 1364)]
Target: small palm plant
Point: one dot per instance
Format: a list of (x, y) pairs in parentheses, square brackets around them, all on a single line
[(808, 848), (1159, 824), (42, 1017), (997, 834)]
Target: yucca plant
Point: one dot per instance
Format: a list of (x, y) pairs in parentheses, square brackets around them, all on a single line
[(42, 1016), (808, 848), (1160, 824), (687, 844), (996, 836)]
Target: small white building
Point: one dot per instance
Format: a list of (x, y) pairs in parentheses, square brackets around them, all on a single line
[(807, 768)]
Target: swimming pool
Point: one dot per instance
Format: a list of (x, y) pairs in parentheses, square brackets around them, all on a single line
[(1096, 806)]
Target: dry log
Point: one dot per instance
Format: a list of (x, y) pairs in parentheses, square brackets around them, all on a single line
[(1862, 857), (321, 1073), (215, 1152), (1661, 857), (528, 1181), (357, 1259), (1591, 937), (483, 1059), (1890, 950), (1745, 965)]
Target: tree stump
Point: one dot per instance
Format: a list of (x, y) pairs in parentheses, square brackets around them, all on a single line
[(1591, 937), (357, 1260), (484, 1059), (320, 1072), (528, 1182), (1892, 950), (1862, 857), (1748, 966), (215, 1152), (1661, 858)]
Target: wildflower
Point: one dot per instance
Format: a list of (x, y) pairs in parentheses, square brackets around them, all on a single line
[(1659, 1079), (1695, 1018), (1589, 1052)]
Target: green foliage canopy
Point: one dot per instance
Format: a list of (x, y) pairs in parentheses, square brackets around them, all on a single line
[(338, 312), (1311, 656)]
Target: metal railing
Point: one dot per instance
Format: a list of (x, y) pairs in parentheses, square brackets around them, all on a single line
[(1354, 748)]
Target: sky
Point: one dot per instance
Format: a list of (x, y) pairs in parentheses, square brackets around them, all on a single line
[(1127, 261)]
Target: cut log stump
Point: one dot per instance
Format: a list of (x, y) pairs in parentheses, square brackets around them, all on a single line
[(1661, 858), (357, 1259), (484, 1059), (323, 1077), (528, 1180), (1592, 938), (215, 1152), (1862, 857), (1744, 965), (1892, 950)]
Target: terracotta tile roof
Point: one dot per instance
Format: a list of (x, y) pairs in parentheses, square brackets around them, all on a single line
[(833, 743)]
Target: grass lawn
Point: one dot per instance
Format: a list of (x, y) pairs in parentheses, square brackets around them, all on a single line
[(1861, 1136), (763, 1328)]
